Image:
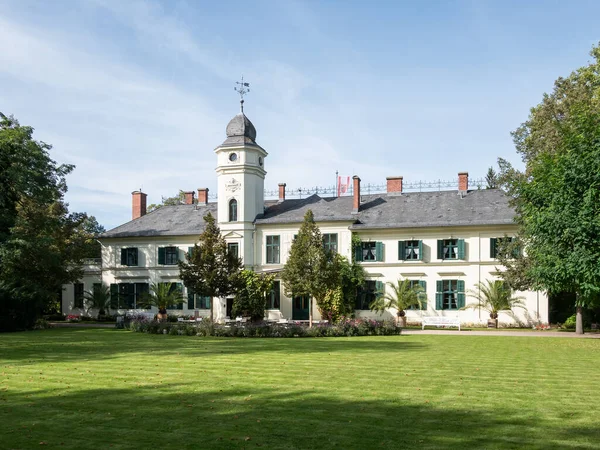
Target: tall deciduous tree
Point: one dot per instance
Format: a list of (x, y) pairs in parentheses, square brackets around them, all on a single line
[(309, 269), (211, 270), (557, 197), (41, 245)]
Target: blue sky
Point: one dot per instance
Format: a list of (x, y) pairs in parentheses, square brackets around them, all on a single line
[(138, 93)]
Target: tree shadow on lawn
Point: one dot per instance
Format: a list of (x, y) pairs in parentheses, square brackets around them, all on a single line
[(174, 416), (69, 345)]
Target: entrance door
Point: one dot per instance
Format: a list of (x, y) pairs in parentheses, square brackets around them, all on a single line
[(300, 307), (228, 308)]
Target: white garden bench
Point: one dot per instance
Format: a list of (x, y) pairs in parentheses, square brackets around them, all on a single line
[(440, 321)]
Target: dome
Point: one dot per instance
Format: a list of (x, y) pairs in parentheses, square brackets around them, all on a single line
[(240, 126)]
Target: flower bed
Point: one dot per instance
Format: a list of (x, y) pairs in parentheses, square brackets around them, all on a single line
[(346, 327)]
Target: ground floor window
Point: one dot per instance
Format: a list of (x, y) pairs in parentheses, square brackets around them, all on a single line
[(450, 294), (368, 293), (422, 295), (127, 295), (78, 295), (274, 296), (197, 301)]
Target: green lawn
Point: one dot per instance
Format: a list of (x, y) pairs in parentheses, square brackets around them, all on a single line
[(103, 388)]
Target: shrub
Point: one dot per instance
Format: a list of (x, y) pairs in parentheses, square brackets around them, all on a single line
[(570, 323), (41, 324), (55, 317)]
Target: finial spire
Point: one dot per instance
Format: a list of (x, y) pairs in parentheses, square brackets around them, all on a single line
[(243, 89)]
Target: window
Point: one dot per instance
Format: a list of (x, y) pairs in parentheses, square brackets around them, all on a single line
[(168, 256), (176, 287), (410, 250), (274, 297), (78, 295), (450, 294), (330, 242), (127, 295), (96, 287), (451, 249), (369, 251), (233, 210), (368, 293), (234, 249), (272, 249), (197, 301), (495, 243), (422, 295), (129, 256)]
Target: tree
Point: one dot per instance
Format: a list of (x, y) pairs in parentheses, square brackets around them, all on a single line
[(98, 298), (178, 199), (341, 300), (162, 296), (210, 270), (557, 196), (491, 179), (251, 296), (40, 245), (88, 229), (494, 296), (309, 269), (402, 297)]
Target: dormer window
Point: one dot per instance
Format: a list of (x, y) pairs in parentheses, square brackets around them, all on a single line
[(233, 210)]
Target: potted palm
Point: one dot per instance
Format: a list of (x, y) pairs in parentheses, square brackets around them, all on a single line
[(162, 296), (401, 297), (494, 296), (98, 298)]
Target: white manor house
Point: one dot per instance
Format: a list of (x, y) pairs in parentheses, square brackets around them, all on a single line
[(443, 240)]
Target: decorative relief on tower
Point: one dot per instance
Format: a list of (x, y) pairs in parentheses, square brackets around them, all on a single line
[(233, 185)]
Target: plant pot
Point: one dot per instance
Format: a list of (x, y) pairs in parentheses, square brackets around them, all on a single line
[(492, 323), (402, 321), (161, 316)]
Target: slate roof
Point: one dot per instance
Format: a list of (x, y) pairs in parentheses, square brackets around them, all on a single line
[(177, 220), (414, 209), (377, 211), (240, 131)]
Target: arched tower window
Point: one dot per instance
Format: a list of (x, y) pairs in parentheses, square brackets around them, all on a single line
[(233, 210)]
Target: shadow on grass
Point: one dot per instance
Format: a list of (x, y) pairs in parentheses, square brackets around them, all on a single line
[(69, 344), (173, 416)]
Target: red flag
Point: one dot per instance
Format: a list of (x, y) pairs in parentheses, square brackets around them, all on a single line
[(343, 185)]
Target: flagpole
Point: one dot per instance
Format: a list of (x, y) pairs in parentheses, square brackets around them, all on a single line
[(335, 186)]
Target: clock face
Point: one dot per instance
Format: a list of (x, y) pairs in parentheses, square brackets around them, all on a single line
[(233, 157), (260, 161)]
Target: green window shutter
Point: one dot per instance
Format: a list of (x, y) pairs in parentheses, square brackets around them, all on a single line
[(401, 250), (378, 251), (114, 296), (423, 295), (493, 247), (161, 255), (123, 256), (379, 288), (358, 253), (439, 301), (420, 250), (460, 300), (460, 285), (141, 289), (439, 286), (189, 253), (179, 287), (135, 256), (461, 248), (440, 249), (190, 295)]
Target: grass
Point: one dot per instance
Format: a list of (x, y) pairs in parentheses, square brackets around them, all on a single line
[(103, 388)]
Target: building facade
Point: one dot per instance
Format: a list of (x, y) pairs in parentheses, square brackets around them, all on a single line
[(445, 241)]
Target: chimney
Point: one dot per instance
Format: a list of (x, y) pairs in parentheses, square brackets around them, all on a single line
[(394, 185), (463, 182), (138, 204), (203, 196), (281, 192), (356, 190), (189, 197)]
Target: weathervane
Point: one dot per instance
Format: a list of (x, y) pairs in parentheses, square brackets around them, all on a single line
[(243, 89)]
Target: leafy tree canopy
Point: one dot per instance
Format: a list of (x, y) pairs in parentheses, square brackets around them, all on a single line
[(41, 243), (557, 196), (251, 294), (178, 199)]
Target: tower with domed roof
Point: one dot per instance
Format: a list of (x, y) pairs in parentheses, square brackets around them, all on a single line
[(240, 184)]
